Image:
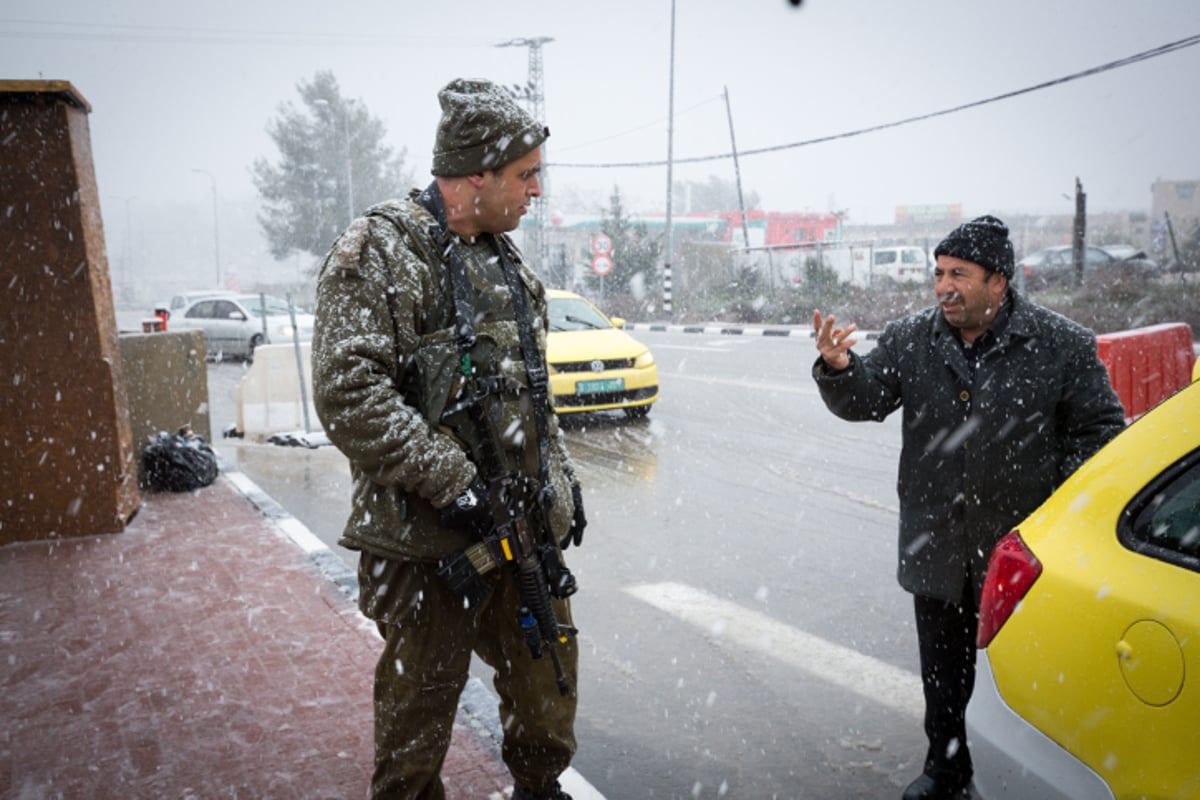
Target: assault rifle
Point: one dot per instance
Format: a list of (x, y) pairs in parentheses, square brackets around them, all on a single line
[(526, 544), (537, 567), (529, 549)]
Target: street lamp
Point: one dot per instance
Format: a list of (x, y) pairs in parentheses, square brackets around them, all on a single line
[(346, 146), (216, 230)]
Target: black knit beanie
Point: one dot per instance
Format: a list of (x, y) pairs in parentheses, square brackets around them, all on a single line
[(482, 128), (983, 241)]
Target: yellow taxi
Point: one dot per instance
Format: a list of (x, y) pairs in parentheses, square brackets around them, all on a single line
[(594, 365), (1089, 668)]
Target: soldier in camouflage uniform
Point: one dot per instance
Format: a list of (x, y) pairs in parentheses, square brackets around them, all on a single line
[(384, 382)]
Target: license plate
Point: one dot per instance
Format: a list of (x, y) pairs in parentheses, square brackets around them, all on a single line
[(606, 385)]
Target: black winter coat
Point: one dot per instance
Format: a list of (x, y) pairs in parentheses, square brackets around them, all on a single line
[(979, 453)]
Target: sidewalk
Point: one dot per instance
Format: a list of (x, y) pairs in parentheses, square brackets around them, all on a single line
[(199, 654)]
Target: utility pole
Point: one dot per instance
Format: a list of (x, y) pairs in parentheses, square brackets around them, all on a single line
[(216, 226), (1174, 246), (1079, 233), (534, 96), (737, 173), (670, 164)]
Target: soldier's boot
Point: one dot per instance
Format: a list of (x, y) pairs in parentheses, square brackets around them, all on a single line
[(555, 792)]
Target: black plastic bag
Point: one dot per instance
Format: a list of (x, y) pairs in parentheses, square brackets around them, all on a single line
[(179, 462)]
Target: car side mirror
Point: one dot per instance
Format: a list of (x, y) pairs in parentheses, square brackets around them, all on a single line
[(617, 322), (239, 316)]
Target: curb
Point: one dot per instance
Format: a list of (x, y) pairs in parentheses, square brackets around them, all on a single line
[(717, 329)]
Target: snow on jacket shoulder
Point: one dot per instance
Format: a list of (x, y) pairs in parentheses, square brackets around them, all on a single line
[(376, 298)]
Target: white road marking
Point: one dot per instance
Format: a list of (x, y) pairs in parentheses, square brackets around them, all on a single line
[(867, 677), (742, 383), (719, 345)]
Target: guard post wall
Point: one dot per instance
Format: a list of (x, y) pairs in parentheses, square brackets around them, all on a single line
[(67, 461)]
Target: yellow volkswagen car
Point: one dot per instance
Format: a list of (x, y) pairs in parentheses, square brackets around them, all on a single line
[(594, 365), (1089, 673)]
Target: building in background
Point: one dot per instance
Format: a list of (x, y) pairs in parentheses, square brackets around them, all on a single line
[(1179, 200)]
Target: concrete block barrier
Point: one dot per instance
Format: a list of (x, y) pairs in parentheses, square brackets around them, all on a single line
[(271, 399)]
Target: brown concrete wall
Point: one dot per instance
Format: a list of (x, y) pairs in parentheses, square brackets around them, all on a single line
[(67, 463), (166, 382)]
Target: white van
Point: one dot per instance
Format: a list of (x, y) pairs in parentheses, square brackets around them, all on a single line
[(899, 265)]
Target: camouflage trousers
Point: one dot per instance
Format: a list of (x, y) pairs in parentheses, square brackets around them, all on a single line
[(429, 637)]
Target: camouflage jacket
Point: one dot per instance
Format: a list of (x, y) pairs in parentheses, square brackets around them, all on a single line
[(383, 347)]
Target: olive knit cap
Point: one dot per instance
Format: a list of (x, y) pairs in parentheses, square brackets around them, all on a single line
[(983, 241), (482, 128)]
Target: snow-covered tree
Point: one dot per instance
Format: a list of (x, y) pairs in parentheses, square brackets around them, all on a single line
[(333, 164)]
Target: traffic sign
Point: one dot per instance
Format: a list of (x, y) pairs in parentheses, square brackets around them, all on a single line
[(602, 265), (601, 245)]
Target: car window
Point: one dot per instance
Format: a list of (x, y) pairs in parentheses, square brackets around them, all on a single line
[(223, 308), (254, 304), (1095, 256), (202, 310), (570, 314), (911, 256), (885, 256), (1166, 522)]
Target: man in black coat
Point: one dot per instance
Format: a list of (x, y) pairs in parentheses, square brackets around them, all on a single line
[(1002, 399)]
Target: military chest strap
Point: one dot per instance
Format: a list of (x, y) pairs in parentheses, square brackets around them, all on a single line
[(464, 316), (535, 363)]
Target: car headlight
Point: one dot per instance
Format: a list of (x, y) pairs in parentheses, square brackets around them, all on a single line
[(646, 359)]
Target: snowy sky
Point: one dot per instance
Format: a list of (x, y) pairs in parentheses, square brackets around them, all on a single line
[(177, 87)]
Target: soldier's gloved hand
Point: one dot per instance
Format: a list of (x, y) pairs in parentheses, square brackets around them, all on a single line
[(470, 510), (578, 521)]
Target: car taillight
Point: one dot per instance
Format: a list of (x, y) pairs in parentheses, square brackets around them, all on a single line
[(1011, 571)]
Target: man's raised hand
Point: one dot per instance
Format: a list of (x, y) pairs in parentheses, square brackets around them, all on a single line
[(833, 343)]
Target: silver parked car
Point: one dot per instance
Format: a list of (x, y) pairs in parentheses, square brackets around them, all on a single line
[(234, 325), (1054, 266)]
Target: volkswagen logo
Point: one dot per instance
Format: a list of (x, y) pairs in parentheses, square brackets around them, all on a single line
[(597, 366)]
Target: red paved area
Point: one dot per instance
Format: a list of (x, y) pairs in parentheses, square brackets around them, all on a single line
[(198, 654)]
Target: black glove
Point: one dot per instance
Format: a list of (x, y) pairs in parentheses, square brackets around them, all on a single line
[(578, 521), (470, 510)]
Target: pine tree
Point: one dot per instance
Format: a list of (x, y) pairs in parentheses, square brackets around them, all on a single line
[(332, 161), (635, 253)]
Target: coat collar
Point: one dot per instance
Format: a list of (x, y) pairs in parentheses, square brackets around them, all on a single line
[(1022, 325)]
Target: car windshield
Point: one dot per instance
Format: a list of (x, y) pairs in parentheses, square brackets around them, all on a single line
[(573, 314), (253, 303)]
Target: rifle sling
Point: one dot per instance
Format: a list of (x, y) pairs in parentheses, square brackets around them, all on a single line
[(464, 314)]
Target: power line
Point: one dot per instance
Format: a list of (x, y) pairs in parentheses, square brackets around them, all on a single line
[(1124, 62), (152, 34), (659, 121)]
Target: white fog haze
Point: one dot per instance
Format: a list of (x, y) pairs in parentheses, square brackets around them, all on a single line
[(182, 97)]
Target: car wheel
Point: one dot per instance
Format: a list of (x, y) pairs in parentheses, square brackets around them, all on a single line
[(255, 341), (637, 412)]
